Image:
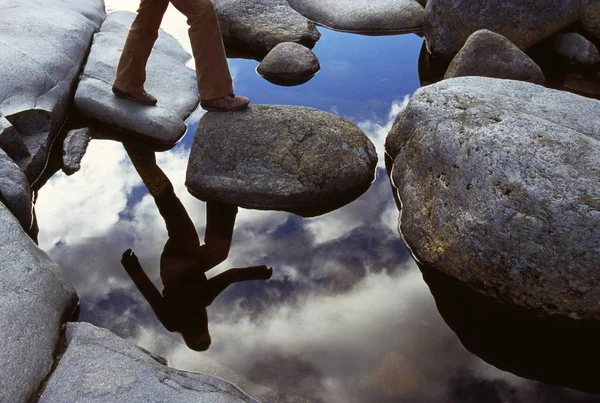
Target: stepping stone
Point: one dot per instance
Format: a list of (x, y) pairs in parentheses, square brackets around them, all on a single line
[(288, 158), (157, 127)]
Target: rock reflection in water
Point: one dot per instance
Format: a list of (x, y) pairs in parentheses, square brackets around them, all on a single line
[(183, 263), (562, 352)]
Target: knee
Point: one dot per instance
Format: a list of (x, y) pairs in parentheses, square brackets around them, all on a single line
[(202, 13)]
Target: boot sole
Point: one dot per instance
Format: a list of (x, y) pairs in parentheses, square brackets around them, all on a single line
[(215, 109), (125, 95)]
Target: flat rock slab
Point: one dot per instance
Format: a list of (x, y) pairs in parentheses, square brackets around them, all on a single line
[(157, 127), (499, 185), (99, 366), (15, 191), (255, 27), (43, 45), (488, 54), (288, 158), (449, 23), (35, 300), (289, 63), (359, 16)]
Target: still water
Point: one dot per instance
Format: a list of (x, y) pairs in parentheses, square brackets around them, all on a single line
[(346, 316)]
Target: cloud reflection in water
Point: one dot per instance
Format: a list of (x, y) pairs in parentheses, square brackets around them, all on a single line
[(346, 316)]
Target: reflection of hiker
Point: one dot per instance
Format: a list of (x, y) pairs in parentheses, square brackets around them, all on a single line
[(214, 79), (183, 263)]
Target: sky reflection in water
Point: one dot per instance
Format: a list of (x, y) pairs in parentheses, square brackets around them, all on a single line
[(346, 316)]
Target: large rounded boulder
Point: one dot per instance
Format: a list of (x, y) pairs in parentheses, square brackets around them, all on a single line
[(499, 187), (288, 158), (448, 23)]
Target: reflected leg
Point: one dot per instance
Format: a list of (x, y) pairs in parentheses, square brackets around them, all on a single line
[(218, 283), (220, 221), (180, 227)]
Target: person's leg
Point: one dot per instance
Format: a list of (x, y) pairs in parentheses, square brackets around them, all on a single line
[(212, 71), (131, 71)]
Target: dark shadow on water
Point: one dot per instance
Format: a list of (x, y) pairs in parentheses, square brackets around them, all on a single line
[(181, 307), (559, 351)]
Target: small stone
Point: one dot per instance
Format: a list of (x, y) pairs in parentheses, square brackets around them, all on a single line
[(74, 148), (488, 54), (574, 47), (288, 158), (289, 62)]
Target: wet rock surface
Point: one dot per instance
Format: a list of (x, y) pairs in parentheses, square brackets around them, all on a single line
[(158, 127), (43, 46), (258, 26), (289, 158), (488, 54), (15, 191), (74, 148), (376, 16), (12, 144), (99, 366), (448, 23), (498, 181), (574, 47), (36, 298), (289, 62)]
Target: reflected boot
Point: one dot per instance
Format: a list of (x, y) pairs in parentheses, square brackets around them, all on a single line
[(229, 103), (139, 97)]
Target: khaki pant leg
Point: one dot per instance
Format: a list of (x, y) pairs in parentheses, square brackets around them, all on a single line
[(131, 71), (212, 71)]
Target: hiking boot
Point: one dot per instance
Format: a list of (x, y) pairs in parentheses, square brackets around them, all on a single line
[(228, 103), (139, 97)]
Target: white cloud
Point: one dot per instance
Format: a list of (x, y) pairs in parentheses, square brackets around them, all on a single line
[(87, 204), (378, 132)]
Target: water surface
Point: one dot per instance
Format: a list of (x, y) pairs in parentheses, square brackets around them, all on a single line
[(346, 317)]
